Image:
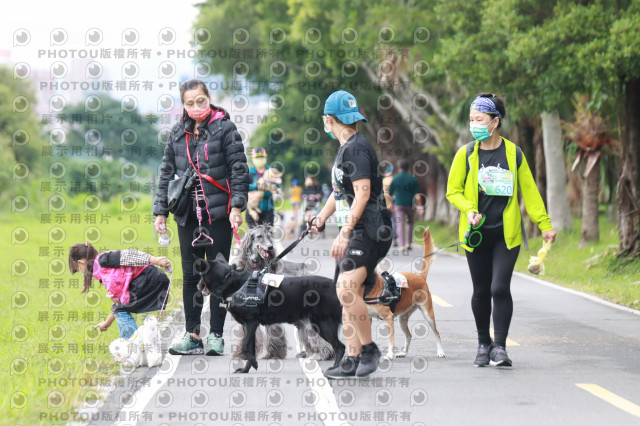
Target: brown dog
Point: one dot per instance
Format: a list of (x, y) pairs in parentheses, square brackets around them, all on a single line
[(416, 297)]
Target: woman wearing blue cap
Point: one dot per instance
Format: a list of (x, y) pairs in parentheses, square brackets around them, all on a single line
[(483, 184), (365, 231)]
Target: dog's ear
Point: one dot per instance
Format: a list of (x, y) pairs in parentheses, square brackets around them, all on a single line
[(220, 257)]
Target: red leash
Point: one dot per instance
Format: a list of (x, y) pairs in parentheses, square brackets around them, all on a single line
[(235, 234)]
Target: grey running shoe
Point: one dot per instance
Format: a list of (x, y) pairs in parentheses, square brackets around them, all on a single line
[(482, 358), (499, 357)]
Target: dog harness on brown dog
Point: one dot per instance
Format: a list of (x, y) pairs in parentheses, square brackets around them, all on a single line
[(390, 295)]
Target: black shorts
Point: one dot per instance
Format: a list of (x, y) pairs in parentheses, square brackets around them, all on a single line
[(362, 251)]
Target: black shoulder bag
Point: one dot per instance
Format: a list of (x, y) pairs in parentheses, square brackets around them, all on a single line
[(178, 198)]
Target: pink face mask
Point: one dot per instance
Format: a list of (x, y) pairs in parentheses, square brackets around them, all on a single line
[(199, 114)]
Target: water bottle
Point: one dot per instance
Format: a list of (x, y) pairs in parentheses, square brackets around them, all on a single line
[(164, 239)]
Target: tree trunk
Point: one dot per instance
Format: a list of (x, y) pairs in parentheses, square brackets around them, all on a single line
[(628, 189), (540, 173), (590, 189), (525, 129), (541, 168), (557, 201)]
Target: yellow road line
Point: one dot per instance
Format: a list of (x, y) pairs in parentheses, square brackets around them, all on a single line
[(509, 341), (440, 301), (611, 398)]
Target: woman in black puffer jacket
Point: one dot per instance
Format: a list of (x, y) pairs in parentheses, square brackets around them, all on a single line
[(217, 153)]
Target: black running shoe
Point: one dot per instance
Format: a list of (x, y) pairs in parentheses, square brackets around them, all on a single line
[(482, 358), (499, 357), (370, 360), (346, 369)]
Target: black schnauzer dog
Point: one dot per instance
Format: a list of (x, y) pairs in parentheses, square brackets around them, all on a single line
[(311, 297)]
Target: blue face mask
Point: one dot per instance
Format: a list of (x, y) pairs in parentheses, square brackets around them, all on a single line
[(481, 131)]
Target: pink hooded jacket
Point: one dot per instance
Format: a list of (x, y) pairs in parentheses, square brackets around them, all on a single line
[(117, 280)]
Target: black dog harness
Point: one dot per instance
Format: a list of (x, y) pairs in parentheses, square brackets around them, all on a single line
[(390, 295)]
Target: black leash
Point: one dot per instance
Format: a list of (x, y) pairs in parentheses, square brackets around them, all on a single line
[(433, 253), (472, 232), (291, 246)]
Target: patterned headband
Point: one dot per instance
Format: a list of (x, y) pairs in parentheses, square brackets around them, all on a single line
[(483, 104)]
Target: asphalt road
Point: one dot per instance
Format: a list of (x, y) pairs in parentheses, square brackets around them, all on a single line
[(576, 362)]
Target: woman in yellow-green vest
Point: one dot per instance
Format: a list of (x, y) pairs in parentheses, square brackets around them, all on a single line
[(483, 184)]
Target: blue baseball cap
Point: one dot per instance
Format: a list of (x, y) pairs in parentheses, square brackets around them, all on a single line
[(344, 106)]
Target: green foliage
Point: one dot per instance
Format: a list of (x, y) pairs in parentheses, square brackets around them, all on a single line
[(112, 132), (299, 52), (540, 52), (20, 140)]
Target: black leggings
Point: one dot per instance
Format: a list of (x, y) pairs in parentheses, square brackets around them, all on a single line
[(491, 265), (220, 231)]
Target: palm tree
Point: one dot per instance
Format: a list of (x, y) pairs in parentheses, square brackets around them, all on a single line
[(591, 135)]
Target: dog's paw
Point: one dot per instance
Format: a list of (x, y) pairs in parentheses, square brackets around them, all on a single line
[(321, 356), (387, 357), (401, 354), (441, 354), (302, 354)]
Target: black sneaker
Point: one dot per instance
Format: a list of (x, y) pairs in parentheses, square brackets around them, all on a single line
[(347, 368), (370, 360), (482, 358), (499, 357)]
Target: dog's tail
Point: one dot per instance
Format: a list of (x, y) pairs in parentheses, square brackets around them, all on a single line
[(429, 247)]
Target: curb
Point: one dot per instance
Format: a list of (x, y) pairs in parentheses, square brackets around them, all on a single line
[(568, 290)]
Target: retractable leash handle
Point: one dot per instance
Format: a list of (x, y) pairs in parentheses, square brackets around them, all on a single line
[(472, 237)]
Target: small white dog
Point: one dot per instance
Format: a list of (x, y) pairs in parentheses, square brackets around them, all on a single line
[(142, 349)]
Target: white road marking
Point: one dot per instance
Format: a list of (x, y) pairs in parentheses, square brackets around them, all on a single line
[(326, 398), (578, 293), (146, 393)]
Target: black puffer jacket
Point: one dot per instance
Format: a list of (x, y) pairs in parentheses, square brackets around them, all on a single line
[(224, 161)]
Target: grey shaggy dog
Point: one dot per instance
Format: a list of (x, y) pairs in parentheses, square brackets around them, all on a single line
[(258, 249)]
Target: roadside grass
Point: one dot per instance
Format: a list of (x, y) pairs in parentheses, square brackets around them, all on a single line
[(54, 360), (593, 269)]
